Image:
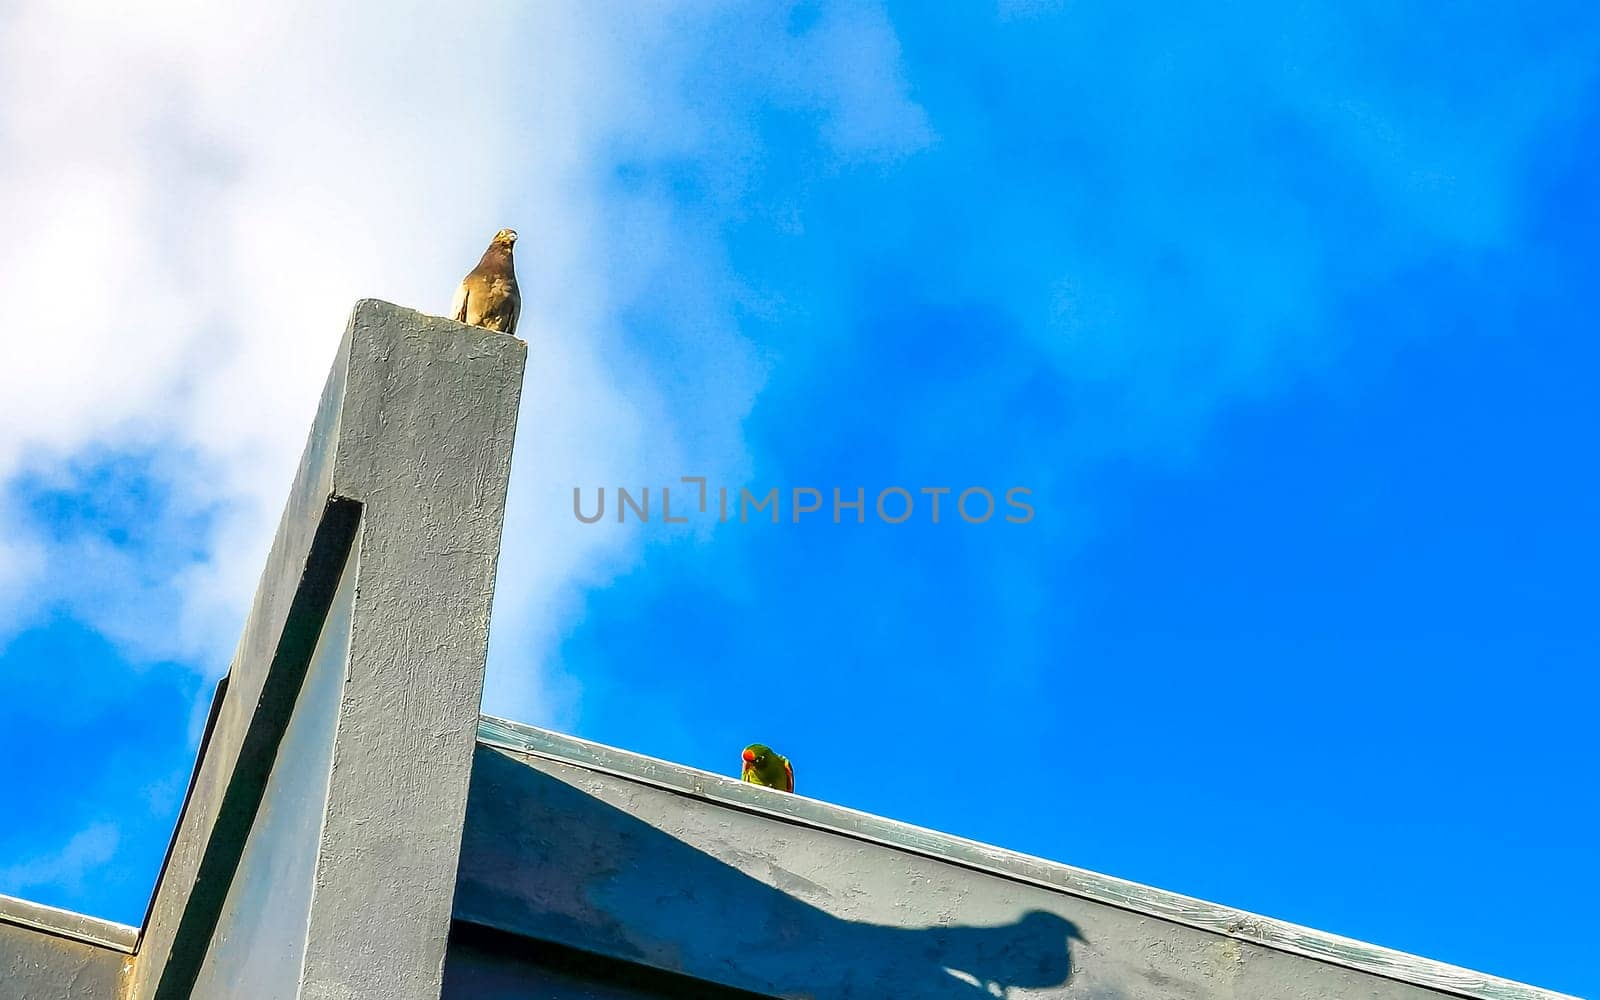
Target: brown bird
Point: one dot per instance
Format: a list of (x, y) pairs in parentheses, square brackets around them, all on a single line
[(488, 295)]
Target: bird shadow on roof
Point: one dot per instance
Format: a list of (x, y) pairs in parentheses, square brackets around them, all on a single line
[(549, 861)]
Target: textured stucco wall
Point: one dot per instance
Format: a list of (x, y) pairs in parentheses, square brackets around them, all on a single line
[(408, 463), (38, 966), (600, 861), (316, 852), (260, 938), (426, 442)]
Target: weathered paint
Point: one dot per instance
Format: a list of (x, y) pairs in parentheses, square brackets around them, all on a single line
[(66, 924), (36, 965), (52, 954)]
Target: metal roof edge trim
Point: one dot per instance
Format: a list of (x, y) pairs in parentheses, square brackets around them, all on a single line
[(1215, 918), (67, 924)]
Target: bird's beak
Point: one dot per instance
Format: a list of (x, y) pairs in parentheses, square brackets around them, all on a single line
[(749, 758)]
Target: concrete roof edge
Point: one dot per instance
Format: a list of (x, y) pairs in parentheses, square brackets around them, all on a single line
[(1265, 931), (67, 924)]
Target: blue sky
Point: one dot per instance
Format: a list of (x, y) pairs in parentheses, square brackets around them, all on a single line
[(1283, 313)]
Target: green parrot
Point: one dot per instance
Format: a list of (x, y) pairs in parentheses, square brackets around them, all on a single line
[(764, 766)]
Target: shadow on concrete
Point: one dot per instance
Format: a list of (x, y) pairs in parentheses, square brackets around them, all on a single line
[(547, 860)]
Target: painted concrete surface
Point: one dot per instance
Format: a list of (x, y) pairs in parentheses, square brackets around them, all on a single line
[(316, 852), (408, 462), (260, 938), (52, 954), (57, 922), (38, 966), (661, 866), (426, 446), (240, 744)]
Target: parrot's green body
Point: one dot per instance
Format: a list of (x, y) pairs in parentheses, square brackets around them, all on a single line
[(764, 766)]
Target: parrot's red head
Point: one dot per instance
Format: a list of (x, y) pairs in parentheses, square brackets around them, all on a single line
[(762, 766)]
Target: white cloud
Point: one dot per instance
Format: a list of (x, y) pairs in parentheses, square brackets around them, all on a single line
[(198, 197), (197, 193), (89, 849), (22, 561)]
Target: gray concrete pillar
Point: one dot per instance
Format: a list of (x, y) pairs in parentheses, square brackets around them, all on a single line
[(316, 854)]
